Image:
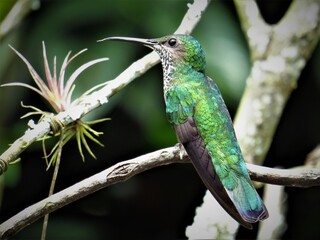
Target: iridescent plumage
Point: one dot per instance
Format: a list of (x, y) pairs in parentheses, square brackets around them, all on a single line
[(202, 123)]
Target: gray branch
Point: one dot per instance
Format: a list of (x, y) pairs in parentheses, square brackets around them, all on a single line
[(19, 10), (302, 177), (279, 53)]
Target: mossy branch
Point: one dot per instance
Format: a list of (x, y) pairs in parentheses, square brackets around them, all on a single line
[(279, 53)]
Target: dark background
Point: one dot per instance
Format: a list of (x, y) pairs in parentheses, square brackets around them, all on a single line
[(160, 203)]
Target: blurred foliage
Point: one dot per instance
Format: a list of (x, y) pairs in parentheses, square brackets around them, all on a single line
[(160, 202), (5, 7)]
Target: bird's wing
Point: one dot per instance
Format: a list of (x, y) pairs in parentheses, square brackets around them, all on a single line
[(180, 111), (226, 156), (190, 138)]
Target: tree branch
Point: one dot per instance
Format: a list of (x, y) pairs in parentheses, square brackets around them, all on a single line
[(275, 225), (18, 11), (279, 53), (122, 171), (295, 177), (276, 68), (100, 97)]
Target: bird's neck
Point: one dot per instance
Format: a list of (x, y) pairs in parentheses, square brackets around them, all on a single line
[(175, 74), (167, 77)]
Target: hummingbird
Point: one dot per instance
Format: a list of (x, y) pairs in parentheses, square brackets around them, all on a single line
[(197, 112)]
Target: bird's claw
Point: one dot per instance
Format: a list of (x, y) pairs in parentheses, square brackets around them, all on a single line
[(181, 150)]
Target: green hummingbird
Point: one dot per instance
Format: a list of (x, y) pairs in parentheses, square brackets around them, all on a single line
[(199, 116)]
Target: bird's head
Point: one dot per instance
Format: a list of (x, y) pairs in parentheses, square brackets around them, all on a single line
[(177, 49)]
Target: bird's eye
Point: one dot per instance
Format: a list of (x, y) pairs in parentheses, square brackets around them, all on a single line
[(172, 42)]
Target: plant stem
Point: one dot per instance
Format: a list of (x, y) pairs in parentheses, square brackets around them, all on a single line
[(53, 183)]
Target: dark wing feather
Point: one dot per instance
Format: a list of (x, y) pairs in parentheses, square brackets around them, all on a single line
[(189, 136)]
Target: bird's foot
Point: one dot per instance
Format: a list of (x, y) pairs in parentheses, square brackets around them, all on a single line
[(181, 150)]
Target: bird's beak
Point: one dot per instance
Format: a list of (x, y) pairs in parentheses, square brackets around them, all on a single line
[(147, 42)]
